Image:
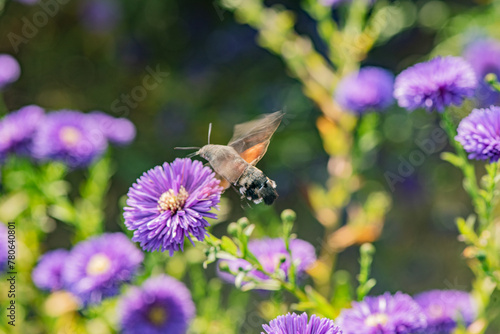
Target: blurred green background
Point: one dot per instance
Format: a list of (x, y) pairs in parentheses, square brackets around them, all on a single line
[(218, 74)]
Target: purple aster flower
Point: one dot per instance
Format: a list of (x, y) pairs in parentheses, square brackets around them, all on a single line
[(18, 128), (479, 134), (119, 131), (47, 274), (161, 305), (70, 136), (298, 324), (3, 247), (484, 57), (9, 70), (368, 89), (435, 84), (100, 15), (169, 203), (269, 252), (97, 267), (445, 308), (385, 314)]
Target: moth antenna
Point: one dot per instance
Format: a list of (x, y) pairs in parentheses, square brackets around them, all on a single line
[(209, 132), (187, 148)]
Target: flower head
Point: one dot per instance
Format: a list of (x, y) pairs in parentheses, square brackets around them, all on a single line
[(368, 89), (119, 131), (9, 70), (270, 253), (435, 84), (70, 136), (161, 305), (484, 57), (445, 308), (18, 128), (47, 274), (97, 267), (479, 134), (294, 324), (169, 203), (385, 314)]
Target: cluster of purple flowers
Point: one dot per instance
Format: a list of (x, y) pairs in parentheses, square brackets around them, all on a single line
[(433, 85), (432, 312), (70, 136), (170, 203), (93, 270), (273, 255)]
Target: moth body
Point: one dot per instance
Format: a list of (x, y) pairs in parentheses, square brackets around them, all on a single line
[(251, 181), (235, 162)]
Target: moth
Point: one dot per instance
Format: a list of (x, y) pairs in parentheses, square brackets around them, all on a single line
[(235, 162)]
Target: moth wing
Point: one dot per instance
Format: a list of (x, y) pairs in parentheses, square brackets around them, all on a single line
[(251, 139)]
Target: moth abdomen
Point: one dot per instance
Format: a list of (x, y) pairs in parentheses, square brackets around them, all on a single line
[(257, 187)]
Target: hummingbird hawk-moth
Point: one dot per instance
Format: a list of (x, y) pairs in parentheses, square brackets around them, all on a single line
[(235, 162)]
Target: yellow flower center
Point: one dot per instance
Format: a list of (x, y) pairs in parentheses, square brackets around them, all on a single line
[(70, 135), (170, 201), (157, 315), (98, 264), (376, 319)]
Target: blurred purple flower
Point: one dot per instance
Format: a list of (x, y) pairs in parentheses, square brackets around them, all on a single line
[(9, 70), (69, 136), (119, 131), (368, 89), (161, 305), (479, 134), (47, 275), (18, 128), (269, 252), (298, 324), (100, 15), (169, 203), (435, 84), (97, 267), (484, 57), (445, 308), (385, 314), (3, 247)]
